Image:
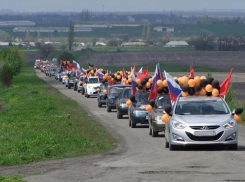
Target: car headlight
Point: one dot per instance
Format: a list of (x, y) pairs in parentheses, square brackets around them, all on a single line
[(229, 124), (178, 125), (123, 105), (158, 118)]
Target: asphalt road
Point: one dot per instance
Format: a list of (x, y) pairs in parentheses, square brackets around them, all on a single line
[(138, 157)]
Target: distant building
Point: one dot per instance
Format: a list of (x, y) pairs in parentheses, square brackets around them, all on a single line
[(176, 44), (100, 44), (131, 19), (16, 23), (50, 29), (163, 29), (133, 44)]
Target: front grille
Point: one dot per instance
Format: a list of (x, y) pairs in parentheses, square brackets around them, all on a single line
[(206, 127), (206, 138)]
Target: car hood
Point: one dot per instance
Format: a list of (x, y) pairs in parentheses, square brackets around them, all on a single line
[(202, 119)]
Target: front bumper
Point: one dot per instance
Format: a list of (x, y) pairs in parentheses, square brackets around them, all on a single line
[(189, 137), (140, 118), (158, 126), (123, 110), (91, 92)]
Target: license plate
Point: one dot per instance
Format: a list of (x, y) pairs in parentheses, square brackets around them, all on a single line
[(91, 92), (146, 117), (204, 133)]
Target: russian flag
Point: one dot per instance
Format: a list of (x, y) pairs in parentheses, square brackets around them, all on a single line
[(133, 83), (153, 92), (99, 74), (173, 87), (74, 64), (83, 71), (159, 72)]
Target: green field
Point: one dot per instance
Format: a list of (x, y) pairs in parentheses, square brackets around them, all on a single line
[(38, 123)]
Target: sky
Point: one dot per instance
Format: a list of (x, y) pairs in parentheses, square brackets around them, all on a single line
[(118, 5)]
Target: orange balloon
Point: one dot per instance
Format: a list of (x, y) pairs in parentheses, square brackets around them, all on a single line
[(165, 83), (215, 92), (197, 80), (129, 103), (129, 80), (179, 80), (98, 89), (105, 92), (148, 85), (175, 78), (197, 93), (150, 80), (159, 83), (184, 94), (209, 88), (203, 92), (118, 77), (238, 118), (138, 81), (184, 80), (191, 83), (165, 118), (203, 77), (148, 108)]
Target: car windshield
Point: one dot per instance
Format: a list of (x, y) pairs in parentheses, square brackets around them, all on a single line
[(210, 107), (162, 101), (115, 90), (103, 87), (126, 93), (142, 97), (93, 80)]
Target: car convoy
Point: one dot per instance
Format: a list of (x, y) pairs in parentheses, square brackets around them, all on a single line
[(193, 120)]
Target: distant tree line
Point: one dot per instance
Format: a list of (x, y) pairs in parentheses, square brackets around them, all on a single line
[(223, 43)]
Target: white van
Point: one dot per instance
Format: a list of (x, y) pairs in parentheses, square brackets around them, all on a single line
[(92, 83)]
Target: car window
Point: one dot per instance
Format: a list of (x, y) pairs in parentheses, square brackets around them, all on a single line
[(209, 107), (162, 101), (93, 80), (142, 97), (126, 94), (115, 90)]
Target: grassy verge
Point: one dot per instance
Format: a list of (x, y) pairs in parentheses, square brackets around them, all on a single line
[(38, 123)]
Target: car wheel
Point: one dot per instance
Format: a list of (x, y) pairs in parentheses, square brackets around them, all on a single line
[(133, 125), (154, 133), (232, 147), (172, 147), (69, 87), (78, 91), (119, 116), (82, 91), (87, 95), (166, 144), (60, 79), (75, 89), (99, 104), (108, 108), (150, 130)]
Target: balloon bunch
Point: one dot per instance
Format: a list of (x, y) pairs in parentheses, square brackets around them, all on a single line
[(198, 86), (131, 100), (112, 78), (237, 115), (167, 109)]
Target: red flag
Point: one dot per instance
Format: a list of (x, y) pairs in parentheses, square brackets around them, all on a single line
[(192, 73), (225, 84), (144, 73)]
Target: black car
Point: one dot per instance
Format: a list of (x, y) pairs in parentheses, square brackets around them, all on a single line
[(122, 108), (101, 97), (113, 94)]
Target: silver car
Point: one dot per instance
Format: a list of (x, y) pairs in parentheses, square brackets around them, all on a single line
[(200, 120)]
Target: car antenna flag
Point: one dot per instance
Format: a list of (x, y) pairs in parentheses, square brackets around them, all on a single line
[(173, 87)]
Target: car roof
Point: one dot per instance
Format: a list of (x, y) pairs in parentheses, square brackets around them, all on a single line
[(199, 98)]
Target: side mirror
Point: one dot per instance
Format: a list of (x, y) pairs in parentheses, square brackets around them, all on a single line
[(233, 112)]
